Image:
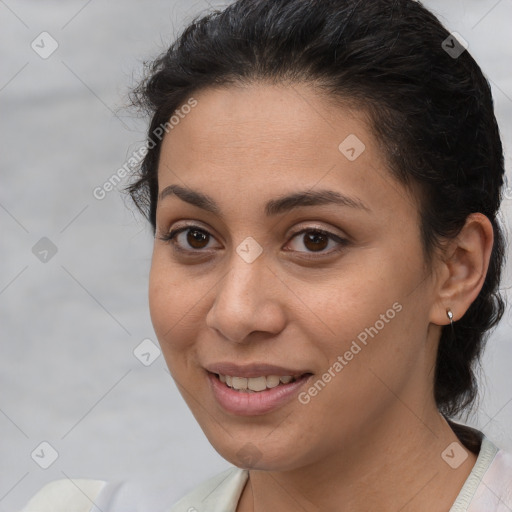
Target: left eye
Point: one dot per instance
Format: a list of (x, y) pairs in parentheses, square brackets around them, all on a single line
[(314, 239)]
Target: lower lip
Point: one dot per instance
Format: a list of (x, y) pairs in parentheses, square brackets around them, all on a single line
[(252, 404)]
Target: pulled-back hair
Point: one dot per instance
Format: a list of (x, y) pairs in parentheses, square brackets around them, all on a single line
[(431, 111)]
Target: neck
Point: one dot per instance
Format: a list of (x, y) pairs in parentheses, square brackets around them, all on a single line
[(396, 465)]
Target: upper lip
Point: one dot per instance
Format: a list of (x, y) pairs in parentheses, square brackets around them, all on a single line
[(253, 370)]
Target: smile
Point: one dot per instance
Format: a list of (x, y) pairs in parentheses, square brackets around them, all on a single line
[(255, 384), (251, 396)]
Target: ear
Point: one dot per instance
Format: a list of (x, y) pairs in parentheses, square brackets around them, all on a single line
[(463, 269)]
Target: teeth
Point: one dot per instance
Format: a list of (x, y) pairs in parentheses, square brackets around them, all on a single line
[(255, 384), (241, 383), (273, 381)]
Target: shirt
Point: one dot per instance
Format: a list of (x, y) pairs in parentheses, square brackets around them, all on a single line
[(488, 488)]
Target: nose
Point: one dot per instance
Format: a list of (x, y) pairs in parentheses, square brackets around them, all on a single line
[(248, 299)]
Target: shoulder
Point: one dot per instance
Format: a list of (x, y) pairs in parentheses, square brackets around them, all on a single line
[(65, 495), (497, 480), (489, 486), (219, 493)]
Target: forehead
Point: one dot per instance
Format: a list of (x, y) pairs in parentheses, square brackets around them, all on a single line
[(269, 121), (264, 138)]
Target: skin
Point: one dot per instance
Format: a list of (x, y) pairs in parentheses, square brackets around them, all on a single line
[(375, 426)]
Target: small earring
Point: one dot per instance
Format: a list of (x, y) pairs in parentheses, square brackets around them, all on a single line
[(449, 314)]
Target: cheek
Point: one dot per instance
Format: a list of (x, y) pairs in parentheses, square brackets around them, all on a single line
[(172, 304), (342, 308), (375, 338), (368, 316)]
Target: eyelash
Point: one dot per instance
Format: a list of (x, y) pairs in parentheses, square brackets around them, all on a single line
[(169, 238)]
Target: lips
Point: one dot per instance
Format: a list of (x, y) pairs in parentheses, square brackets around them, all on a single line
[(231, 386), (255, 384), (254, 370)]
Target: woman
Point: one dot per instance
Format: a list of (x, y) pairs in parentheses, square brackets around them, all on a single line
[(323, 179)]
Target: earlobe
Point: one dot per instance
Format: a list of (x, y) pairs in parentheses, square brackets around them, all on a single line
[(464, 270)]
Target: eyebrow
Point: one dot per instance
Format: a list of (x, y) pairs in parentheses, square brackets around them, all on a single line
[(273, 207)]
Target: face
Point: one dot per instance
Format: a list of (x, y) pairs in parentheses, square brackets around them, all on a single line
[(278, 254)]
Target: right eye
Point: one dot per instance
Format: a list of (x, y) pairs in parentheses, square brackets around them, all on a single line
[(193, 236)]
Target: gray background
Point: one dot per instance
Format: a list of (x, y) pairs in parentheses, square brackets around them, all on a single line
[(69, 326)]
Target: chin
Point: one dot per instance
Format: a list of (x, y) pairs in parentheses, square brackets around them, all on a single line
[(279, 455)]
